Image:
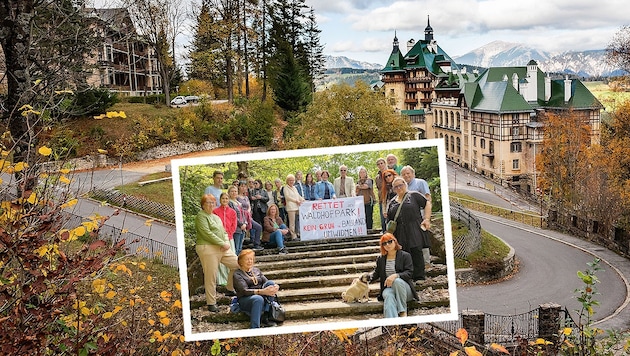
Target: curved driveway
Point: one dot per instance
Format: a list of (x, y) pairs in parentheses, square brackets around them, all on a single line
[(548, 263)]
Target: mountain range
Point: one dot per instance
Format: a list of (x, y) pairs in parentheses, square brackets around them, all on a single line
[(585, 64)]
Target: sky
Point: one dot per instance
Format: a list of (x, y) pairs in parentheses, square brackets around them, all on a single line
[(364, 29)]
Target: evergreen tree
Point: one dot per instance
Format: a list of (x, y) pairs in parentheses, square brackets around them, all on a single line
[(314, 49), (288, 66), (206, 63)]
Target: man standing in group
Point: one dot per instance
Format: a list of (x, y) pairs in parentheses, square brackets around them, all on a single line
[(392, 163), (344, 185), (217, 187)]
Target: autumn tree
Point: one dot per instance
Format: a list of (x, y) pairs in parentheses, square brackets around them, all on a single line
[(45, 45), (564, 152), (159, 22), (618, 50), (346, 115)]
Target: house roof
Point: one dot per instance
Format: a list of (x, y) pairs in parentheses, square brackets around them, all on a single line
[(493, 91), (495, 97), (421, 56)]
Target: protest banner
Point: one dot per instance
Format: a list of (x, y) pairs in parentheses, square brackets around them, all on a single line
[(324, 219)]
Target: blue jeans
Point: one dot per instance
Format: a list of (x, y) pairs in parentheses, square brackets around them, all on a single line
[(255, 233), (276, 239), (238, 242), (255, 306), (395, 298)]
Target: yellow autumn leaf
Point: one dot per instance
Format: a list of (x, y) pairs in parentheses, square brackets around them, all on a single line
[(166, 296), (122, 114), (567, 331), (165, 321), (42, 250), (90, 225), (454, 353), (472, 351), (462, 335), (25, 107), (106, 337), (32, 199), (108, 315), (99, 117), (110, 295), (149, 278), (142, 265), (178, 286), (44, 151), (64, 171), (69, 203), (151, 322), (131, 302), (148, 222), (20, 166), (162, 314), (102, 151), (177, 304), (98, 286), (124, 231), (64, 179), (65, 91), (85, 311), (500, 348), (79, 231)]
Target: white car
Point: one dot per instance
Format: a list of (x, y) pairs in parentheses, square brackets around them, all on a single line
[(178, 100)]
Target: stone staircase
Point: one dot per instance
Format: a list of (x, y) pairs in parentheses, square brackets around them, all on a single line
[(313, 275)]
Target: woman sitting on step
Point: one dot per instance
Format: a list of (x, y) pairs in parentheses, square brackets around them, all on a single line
[(394, 270), (254, 291)]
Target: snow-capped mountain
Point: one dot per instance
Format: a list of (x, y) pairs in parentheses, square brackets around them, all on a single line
[(505, 54), (345, 62), (502, 54)]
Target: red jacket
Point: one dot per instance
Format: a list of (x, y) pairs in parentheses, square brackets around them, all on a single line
[(228, 217)]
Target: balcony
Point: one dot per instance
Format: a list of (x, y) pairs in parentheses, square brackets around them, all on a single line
[(426, 90), (410, 90), (411, 101), (426, 100), (419, 80), (393, 79)]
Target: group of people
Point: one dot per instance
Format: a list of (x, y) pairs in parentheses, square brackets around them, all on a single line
[(249, 206)]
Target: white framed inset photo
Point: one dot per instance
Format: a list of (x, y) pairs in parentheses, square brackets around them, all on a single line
[(308, 229)]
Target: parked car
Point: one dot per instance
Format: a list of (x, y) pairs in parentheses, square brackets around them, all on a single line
[(192, 99), (179, 100)]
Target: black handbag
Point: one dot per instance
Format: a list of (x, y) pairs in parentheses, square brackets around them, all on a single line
[(276, 312), (391, 225)]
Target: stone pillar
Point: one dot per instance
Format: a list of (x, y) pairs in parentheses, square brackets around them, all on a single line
[(474, 322), (549, 321), (101, 160)]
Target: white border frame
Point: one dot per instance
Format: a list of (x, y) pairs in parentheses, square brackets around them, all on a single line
[(307, 327)]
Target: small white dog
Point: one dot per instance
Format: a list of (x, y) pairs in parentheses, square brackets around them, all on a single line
[(358, 291)]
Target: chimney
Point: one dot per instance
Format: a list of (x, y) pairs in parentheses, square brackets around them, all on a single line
[(515, 81), (463, 70), (547, 87), (505, 78), (567, 89)]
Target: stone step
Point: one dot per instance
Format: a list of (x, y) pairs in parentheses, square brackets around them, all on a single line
[(345, 279), (324, 261), (334, 292), (267, 255), (330, 309)]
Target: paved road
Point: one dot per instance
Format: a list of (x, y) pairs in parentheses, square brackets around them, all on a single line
[(547, 273), (549, 262)]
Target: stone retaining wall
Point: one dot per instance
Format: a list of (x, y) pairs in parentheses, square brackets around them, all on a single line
[(101, 160), (470, 275)]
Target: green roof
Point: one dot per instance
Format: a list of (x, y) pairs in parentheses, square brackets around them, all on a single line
[(395, 61), (495, 97), (581, 97), (412, 112), (420, 56)]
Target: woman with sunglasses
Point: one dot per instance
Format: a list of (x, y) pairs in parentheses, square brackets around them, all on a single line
[(394, 270), (411, 227), (387, 192)]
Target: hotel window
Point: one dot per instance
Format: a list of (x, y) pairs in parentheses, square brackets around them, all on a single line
[(482, 143), (515, 164), (516, 147), (515, 119)]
